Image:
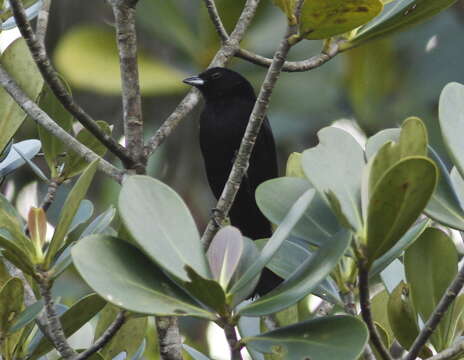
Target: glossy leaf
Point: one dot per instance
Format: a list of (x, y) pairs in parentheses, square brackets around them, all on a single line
[(398, 15), (27, 316), (128, 338), (18, 62), (11, 303), (327, 338), (74, 164), (52, 147), (224, 254), (304, 280), (195, 354), (100, 223), (397, 200), (88, 57), (73, 319), (15, 159), (429, 276), (276, 240), (151, 211), (336, 175), (69, 210), (84, 212), (139, 287), (402, 316), (375, 142), (444, 206), (275, 198), (294, 168)]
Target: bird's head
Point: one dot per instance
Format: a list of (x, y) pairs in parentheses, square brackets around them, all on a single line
[(220, 82)]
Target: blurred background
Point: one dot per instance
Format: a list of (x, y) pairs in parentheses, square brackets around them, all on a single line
[(377, 85)]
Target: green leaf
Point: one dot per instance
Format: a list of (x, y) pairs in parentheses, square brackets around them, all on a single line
[(276, 240), (275, 198), (70, 208), (334, 167), (445, 206), (294, 168), (100, 223), (402, 316), (151, 211), (27, 316), (127, 339), (375, 142), (18, 62), (51, 146), (397, 200), (304, 280), (321, 19), (398, 15), (429, 276), (406, 240), (195, 354), (328, 338), (11, 303), (72, 320), (74, 164), (87, 56), (139, 287)]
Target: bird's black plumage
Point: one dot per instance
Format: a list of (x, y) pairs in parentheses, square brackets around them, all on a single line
[(229, 100)]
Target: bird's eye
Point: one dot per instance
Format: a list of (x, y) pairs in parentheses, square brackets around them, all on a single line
[(216, 76)]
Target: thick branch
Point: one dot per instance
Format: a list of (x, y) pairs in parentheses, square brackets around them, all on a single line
[(105, 337), (169, 338), (42, 22), (329, 52), (241, 162), (367, 315), (131, 98), (451, 353), (234, 344), (50, 76), (52, 322), (435, 318), (38, 115), (222, 57), (216, 20)]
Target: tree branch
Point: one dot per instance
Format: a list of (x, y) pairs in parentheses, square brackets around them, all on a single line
[(216, 20), (328, 52), (42, 22), (51, 192), (366, 312), (451, 353), (435, 318), (124, 15), (50, 76), (105, 337), (38, 115), (52, 322), (232, 340), (258, 113), (170, 344), (222, 57)]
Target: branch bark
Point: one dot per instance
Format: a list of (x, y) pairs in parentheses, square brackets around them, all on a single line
[(170, 344), (39, 54), (124, 15), (232, 340), (432, 323), (216, 20), (451, 353), (42, 22), (38, 115)]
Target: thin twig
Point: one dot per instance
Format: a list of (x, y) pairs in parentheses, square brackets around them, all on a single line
[(366, 312), (131, 98), (234, 344), (42, 22), (438, 313), (169, 339), (38, 115), (105, 337), (258, 113), (51, 192), (327, 53), (39, 54), (216, 20), (222, 57), (451, 353), (52, 322)]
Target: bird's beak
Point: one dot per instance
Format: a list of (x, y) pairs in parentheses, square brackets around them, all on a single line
[(194, 81)]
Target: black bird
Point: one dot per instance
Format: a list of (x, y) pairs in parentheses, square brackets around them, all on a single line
[(229, 100)]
